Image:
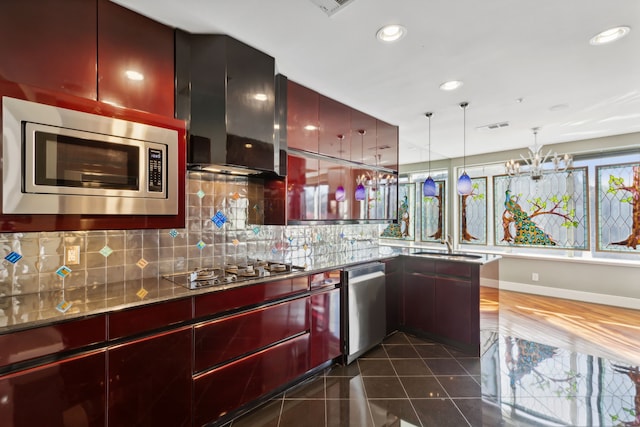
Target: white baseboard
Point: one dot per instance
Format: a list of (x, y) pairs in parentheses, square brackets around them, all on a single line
[(614, 300)]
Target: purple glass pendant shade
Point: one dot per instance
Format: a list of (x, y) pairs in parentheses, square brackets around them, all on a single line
[(464, 184), (340, 195), (429, 188), (360, 192)]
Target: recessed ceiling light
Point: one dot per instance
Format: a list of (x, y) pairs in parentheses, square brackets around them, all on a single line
[(558, 107), (134, 75), (451, 85), (391, 33), (610, 35), (260, 97)]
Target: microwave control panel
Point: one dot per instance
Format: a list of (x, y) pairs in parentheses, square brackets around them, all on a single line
[(155, 170)]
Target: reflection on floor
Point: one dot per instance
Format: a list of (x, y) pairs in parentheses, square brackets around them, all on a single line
[(544, 362)]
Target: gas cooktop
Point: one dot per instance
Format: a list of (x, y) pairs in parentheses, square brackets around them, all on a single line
[(206, 277)]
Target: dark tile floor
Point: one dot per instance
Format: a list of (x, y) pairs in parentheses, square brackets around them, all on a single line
[(545, 362), (405, 381)]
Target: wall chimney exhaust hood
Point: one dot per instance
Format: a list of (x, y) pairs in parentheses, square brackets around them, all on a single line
[(226, 92)]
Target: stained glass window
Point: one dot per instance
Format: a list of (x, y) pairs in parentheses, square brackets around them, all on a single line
[(548, 212), (472, 210)]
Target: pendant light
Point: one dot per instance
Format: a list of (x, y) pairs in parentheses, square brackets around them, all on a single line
[(464, 182), (360, 190), (340, 194), (429, 186)]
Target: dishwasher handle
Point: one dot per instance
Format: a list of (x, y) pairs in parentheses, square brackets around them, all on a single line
[(355, 274)]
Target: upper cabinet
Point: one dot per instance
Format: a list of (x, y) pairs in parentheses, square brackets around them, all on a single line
[(51, 45), (302, 117), (91, 49), (334, 121), (387, 145), (343, 163), (135, 60), (363, 138)]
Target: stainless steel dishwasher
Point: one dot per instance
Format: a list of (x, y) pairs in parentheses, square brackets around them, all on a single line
[(364, 308)]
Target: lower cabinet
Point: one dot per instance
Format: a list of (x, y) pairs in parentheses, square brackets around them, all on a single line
[(453, 310), (150, 380), (232, 385), (419, 293), (442, 300), (225, 339), (393, 289), (325, 327), (70, 392)]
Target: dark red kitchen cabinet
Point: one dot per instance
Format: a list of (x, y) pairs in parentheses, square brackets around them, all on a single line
[(418, 300), (334, 137), (32, 343), (324, 279), (325, 327), (453, 310), (302, 117), (386, 146), (49, 44), (149, 317), (150, 381), (70, 392), (225, 389), (363, 137), (228, 338), (332, 176), (219, 302), (393, 289), (131, 43), (302, 188)]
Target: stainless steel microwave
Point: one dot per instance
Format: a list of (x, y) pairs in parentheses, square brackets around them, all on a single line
[(62, 161)]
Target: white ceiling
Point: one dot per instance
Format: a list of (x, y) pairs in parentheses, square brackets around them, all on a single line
[(502, 50)]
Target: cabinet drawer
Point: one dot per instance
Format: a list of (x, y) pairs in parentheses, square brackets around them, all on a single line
[(459, 269), (324, 279), (231, 337), (140, 319), (225, 389), (219, 302), (32, 343)]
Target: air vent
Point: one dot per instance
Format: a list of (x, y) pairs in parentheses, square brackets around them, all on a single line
[(493, 126), (331, 6)]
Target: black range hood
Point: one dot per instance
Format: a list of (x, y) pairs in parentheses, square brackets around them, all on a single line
[(226, 91)]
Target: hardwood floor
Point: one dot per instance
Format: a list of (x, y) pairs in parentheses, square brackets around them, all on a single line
[(600, 330)]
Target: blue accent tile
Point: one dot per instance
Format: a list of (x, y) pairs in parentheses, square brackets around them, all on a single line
[(173, 233), (200, 194), (13, 257), (256, 230), (219, 219), (201, 245)]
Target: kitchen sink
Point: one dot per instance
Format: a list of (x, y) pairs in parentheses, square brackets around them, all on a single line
[(448, 255)]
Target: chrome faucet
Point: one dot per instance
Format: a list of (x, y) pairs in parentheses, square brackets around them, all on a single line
[(449, 242)]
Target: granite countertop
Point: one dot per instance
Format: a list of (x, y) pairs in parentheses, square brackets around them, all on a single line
[(37, 309)]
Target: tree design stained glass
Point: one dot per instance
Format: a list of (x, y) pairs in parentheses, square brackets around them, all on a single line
[(550, 212), (618, 207)]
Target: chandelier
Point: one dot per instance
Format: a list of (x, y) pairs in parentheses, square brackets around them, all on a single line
[(535, 164)]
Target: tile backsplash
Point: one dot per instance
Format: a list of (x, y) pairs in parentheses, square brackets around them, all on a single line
[(220, 229)]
